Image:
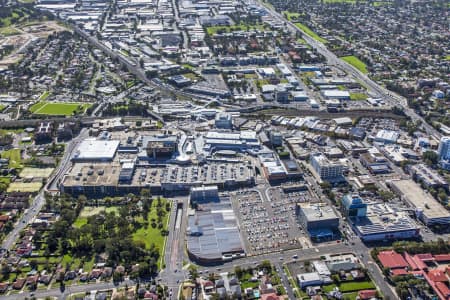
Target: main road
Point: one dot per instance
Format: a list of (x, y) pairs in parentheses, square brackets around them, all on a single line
[(332, 59), (39, 201)]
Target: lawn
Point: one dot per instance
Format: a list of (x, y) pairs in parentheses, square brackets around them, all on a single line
[(36, 172), (356, 62), (192, 76), (76, 263), (350, 296), (44, 96), (188, 66), (14, 157), (358, 96), (261, 82), (94, 210), (248, 284), (58, 108), (447, 57), (150, 235), (8, 31), (311, 33), (31, 187), (5, 179), (243, 27), (79, 222), (355, 286), (352, 286), (291, 15), (91, 211)]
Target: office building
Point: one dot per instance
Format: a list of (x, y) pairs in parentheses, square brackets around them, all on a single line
[(326, 169), (444, 152), (309, 279), (160, 146), (223, 121), (318, 219), (354, 206), (276, 139)]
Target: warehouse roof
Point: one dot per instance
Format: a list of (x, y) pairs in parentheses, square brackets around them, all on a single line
[(96, 150), (419, 199), (213, 231), (317, 212)]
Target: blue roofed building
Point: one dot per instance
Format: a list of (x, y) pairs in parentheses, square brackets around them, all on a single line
[(354, 206)]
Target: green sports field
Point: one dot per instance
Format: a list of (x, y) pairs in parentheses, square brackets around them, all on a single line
[(59, 108)]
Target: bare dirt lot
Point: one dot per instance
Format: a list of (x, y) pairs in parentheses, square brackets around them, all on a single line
[(20, 36)]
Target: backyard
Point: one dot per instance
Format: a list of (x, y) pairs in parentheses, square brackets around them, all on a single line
[(14, 156)]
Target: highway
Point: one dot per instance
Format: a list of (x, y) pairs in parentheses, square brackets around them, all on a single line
[(332, 59), (174, 255)]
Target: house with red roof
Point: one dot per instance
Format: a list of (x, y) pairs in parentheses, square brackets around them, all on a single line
[(208, 286), (399, 272), (392, 260), (442, 258), (271, 296), (443, 289), (437, 276), (425, 256), (150, 296), (367, 294), (19, 283), (438, 281), (420, 260), (4, 287)]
